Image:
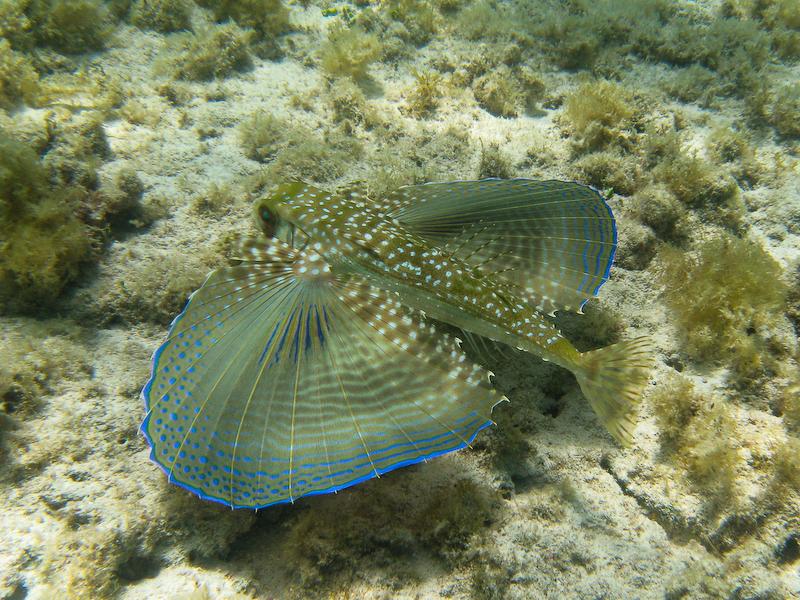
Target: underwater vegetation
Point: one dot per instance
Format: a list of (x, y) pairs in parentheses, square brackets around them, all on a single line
[(349, 104), (214, 52), (348, 52), (44, 242), (499, 93), (658, 208), (785, 113), (423, 98), (699, 432), (19, 81), (599, 113), (332, 544), (268, 19), (297, 150), (34, 359), (164, 16), (262, 136), (419, 18), (69, 26), (726, 297)]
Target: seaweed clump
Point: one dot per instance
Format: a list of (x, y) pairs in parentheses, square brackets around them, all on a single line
[(44, 243), (599, 113), (34, 358), (262, 136), (70, 26), (317, 158), (337, 543), (499, 93), (785, 111), (348, 52), (418, 20), (268, 19), (701, 434), (164, 16), (725, 298), (423, 98), (349, 104), (215, 53), (297, 152), (494, 163), (695, 181), (658, 208), (19, 81)]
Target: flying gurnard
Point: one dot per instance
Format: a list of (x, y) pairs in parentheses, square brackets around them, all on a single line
[(316, 360)]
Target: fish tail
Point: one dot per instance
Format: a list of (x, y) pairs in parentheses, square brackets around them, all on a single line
[(612, 379)]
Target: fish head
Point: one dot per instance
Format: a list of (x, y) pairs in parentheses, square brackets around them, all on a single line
[(280, 213)]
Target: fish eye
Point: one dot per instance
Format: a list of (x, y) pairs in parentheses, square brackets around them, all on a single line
[(267, 215), (269, 221)]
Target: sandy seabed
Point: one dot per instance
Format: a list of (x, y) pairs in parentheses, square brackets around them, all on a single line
[(545, 505)]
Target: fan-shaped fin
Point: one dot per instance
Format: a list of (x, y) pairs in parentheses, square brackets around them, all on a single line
[(282, 378), (554, 239)]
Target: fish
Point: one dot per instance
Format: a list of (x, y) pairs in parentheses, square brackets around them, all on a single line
[(318, 360)]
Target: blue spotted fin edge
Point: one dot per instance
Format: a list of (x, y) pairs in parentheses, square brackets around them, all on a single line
[(282, 379)]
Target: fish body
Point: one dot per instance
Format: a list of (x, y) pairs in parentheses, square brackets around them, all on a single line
[(315, 360), (356, 234)]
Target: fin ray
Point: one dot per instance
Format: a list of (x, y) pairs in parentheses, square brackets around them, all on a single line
[(300, 385), (556, 240)]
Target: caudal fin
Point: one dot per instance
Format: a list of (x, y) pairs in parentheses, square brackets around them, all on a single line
[(612, 379)]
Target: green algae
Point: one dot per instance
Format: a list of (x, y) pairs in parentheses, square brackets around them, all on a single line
[(600, 114), (725, 298), (349, 104), (262, 136), (785, 111), (214, 53), (70, 26), (19, 81), (44, 242), (309, 156), (348, 52), (494, 162), (336, 543), (499, 93), (419, 18), (423, 98), (34, 359), (700, 433), (657, 207), (268, 19), (164, 16), (612, 171)]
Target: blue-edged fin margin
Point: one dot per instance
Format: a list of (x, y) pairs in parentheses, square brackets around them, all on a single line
[(555, 240), (284, 378)]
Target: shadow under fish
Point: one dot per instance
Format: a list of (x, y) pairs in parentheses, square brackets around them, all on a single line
[(313, 362)]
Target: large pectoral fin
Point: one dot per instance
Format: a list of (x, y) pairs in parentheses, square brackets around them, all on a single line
[(282, 379)]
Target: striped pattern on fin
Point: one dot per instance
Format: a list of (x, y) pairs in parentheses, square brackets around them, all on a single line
[(555, 240), (282, 379)]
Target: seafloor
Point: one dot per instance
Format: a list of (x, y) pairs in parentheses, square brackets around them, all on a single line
[(134, 137)]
